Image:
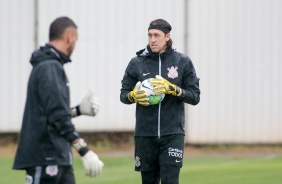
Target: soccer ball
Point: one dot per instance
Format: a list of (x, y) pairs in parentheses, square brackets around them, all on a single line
[(153, 97)]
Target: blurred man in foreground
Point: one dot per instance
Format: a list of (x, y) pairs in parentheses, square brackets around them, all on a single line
[(47, 134)]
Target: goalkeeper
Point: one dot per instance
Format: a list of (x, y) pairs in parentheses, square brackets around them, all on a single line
[(159, 130), (47, 134)]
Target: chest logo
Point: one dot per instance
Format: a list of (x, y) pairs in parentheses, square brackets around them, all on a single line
[(144, 74), (172, 72)]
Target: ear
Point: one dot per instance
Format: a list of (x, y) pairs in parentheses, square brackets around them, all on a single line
[(70, 36), (167, 36)]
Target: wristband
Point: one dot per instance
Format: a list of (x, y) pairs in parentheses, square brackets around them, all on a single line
[(75, 111), (78, 110), (83, 151), (78, 144)]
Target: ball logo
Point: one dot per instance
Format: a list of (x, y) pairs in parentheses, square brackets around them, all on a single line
[(172, 72), (145, 86)]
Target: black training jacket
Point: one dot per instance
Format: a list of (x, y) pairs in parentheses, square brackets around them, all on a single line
[(167, 117), (47, 130)]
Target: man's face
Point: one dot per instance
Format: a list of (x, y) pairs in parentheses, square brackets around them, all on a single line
[(157, 40), (71, 39)]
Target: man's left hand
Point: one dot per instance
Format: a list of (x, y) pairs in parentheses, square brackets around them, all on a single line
[(90, 104), (162, 86)]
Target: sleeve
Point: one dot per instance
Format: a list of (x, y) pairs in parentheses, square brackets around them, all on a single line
[(54, 96), (190, 85), (128, 82)]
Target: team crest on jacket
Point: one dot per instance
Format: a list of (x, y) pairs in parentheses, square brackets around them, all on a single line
[(172, 72), (28, 179), (137, 161), (52, 170)]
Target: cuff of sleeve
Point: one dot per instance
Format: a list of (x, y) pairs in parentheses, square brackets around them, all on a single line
[(80, 146), (178, 91), (183, 94), (78, 110), (71, 136), (83, 151), (75, 111)]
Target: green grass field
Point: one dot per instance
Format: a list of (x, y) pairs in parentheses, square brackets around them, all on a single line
[(196, 170)]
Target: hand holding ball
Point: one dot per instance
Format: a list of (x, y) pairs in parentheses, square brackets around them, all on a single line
[(148, 88)]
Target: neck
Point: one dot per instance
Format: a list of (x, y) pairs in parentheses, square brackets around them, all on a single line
[(163, 50), (59, 45)]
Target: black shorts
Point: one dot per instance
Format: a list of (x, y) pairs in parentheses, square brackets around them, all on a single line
[(51, 174), (152, 152)]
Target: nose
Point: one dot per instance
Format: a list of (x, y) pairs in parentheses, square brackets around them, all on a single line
[(153, 39)]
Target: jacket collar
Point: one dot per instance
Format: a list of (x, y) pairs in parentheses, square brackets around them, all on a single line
[(147, 52), (60, 55)]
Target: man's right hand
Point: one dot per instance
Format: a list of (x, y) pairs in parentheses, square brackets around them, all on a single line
[(140, 97), (92, 164), (90, 104)]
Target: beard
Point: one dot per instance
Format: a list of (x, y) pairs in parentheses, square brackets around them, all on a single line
[(70, 49)]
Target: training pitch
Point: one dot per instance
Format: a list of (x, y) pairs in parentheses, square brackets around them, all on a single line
[(214, 169)]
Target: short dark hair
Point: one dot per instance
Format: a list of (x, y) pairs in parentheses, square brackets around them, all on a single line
[(164, 26), (58, 27)]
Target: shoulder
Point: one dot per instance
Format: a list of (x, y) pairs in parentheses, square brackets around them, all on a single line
[(50, 62), (47, 67), (185, 62), (181, 56), (47, 64), (135, 61), (182, 59)]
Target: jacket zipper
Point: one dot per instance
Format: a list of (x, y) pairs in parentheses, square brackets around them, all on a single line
[(159, 113)]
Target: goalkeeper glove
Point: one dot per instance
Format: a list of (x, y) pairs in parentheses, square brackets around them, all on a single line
[(92, 164), (162, 86), (89, 106), (140, 97)]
